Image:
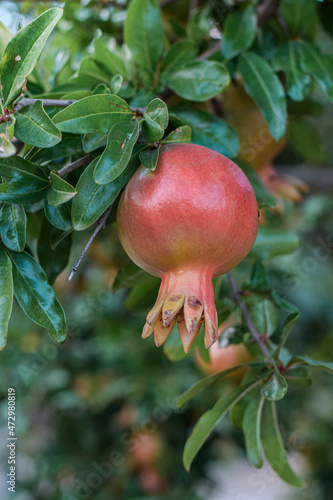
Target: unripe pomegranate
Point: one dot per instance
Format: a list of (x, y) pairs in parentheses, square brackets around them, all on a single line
[(193, 218)]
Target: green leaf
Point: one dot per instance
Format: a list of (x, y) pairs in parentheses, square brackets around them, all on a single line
[(179, 53), (96, 113), (209, 130), (263, 313), (272, 242), (300, 16), (116, 84), (251, 429), (283, 303), (156, 119), (275, 388), (210, 419), (59, 217), (22, 53), (298, 376), (93, 199), (143, 32), (67, 147), (207, 381), (305, 141), (181, 134), (110, 57), (35, 295), (23, 182), (60, 191), (312, 362), (287, 58), (319, 66), (35, 127), (91, 69), (13, 226), (260, 280), (129, 276), (239, 32), (150, 158), (286, 329), (264, 197), (53, 260), (273, 445), (198, 80), (121, 141), (6, 294), (262, 84)]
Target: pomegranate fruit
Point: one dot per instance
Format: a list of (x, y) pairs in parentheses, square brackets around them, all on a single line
[(193, 218)]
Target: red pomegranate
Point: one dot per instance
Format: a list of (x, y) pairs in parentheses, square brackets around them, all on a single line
[(193, 218)]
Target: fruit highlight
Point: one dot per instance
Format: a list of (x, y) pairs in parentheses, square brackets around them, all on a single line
[(193, 218)]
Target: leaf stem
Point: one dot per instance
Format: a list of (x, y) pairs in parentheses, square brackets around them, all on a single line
[(254, 332)]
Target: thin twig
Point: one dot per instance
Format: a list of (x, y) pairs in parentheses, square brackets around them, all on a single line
[(76, 164), (100, 225), (254, 332), (46, 102)]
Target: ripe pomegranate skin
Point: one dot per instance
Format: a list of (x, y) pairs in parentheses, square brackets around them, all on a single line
[(193, 218)]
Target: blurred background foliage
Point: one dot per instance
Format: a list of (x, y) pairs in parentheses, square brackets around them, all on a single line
[(97, 415)]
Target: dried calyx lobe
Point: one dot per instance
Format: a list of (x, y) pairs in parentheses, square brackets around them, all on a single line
[(194, 218)]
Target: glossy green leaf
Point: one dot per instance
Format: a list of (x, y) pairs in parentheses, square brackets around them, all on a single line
[(181, 134), (91, 69), (22, 53), (198, 80), (67, 147), (23, 182), (156, 119), (35, 295), (6, 294), (298, 376), (93, 199), (272, 242), (210, 419), (239, 32), (60, 216), (96, 113), (13, 226), (264, 197), (209, 130), (179, 53), (319, 66), (53, 260), (150, 158), (287, 58), (251, 428), (262, 84), (116, 83), (305, 141), (60, 191), (121, 141), (207, 381), (286, 329), (300, 16), (275, 388), (35, 127), (312, 362), (143, 32), (273, 445)]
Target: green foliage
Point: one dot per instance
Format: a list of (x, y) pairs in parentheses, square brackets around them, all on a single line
[(34, 127), (239, 32)]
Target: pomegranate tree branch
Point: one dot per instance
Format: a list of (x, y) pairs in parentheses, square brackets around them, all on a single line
[(76, 164), (254, 332), (46, 102), (100, 225)]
